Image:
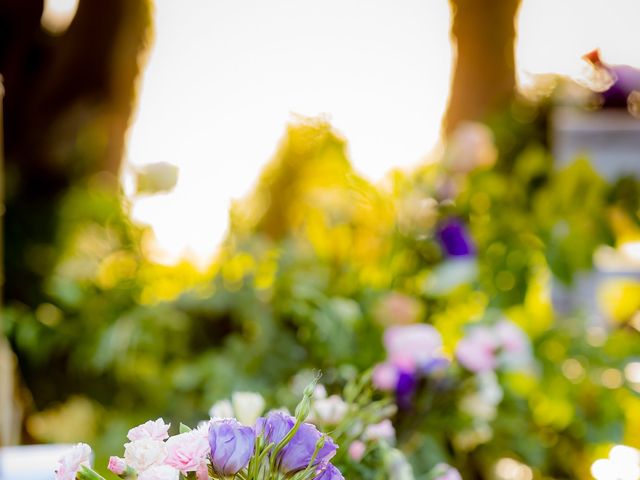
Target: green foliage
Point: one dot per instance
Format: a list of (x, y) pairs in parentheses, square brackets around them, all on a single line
[(310, 258)]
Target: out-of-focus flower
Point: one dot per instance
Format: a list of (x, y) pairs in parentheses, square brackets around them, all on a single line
[(397, 465), (159, 472), (328, 411), (623, 464), (410, 346), (231, 446), (477, 351), (117, 465), (417, 214), (454, 239), (471, 147), (155, 178), (153, 429), (398, 309), (380, 431), (357, 450), (145, 453), (328, 472), (298, 453), (247, 406), (385, 376), (70, 462), (221, 409), (443, 471), (187, 451), (482, 404), (467, 440)]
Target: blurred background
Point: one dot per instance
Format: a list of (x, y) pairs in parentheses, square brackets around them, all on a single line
[(204, 196)]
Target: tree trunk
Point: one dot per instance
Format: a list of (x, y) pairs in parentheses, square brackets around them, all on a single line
[(484, 81)]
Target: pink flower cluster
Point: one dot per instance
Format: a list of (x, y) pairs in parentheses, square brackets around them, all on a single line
[(488, 347), (156, 456)]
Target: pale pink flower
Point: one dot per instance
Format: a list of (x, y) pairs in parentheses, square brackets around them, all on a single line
[(328, 411), (410, 345), (398, 309), (357, 450), (159, 472), (477, 351), (153, 429), (117, 465), (187, 451), (447, 472), (380, 431), (145, 453), (512, 338), (70, 462), (385, 376)]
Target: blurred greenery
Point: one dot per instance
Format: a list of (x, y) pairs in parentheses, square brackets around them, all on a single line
[(300, 283)]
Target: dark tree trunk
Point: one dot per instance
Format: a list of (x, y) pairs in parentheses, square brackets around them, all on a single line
[(483, 32), (67, 107)]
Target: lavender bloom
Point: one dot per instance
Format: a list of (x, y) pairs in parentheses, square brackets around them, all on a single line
[(231, 446), (297, 454), (328, 472), (455, 239), (275, 426)]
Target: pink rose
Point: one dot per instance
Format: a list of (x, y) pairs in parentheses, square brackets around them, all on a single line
[(153, 429), (70, 462), (410, 345), (357, 450), (187, 451), (385, 376), (117, 465)]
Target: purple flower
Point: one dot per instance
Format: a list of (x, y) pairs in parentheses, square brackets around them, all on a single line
[(231, 446), (328, 472), (297, 454), (454, 239), (275, 426), (405, 389)]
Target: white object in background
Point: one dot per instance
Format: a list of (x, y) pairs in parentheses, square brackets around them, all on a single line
[(31, 462)]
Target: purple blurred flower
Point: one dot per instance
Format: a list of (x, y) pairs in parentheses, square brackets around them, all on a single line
[(297, 454), (328, 472), (231, 446), (454, 238), (406, 387)]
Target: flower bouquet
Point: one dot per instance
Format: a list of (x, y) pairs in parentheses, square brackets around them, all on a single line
[(278, 446)]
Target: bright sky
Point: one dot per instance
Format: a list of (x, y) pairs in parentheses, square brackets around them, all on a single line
[(225, 76)]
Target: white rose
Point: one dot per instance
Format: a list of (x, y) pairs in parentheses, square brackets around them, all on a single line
[(221, 409), (248, 406), (159, 472), (144, 454)]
